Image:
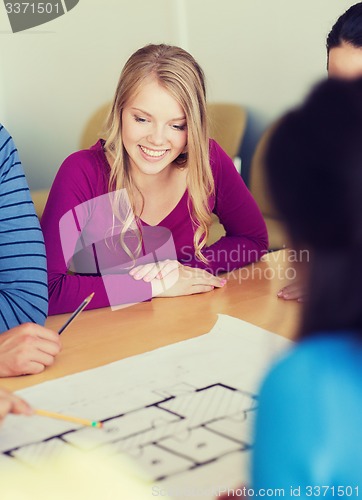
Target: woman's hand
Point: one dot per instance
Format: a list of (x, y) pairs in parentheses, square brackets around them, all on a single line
[(9, 403), (185, 281), (154, 270)]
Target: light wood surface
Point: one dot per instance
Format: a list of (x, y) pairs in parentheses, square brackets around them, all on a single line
[(101, 336)]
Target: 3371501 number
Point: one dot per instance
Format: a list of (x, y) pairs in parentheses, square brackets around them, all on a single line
[(337, 491), (33, 8)]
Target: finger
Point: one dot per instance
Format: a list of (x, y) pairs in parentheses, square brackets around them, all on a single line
[(33, 368), (134, 270), (5, 407), (142, 271), (289, 288), (209, 280), (44, 333), (168, 268), (42, 353), (154, 271), (13, 404), (201, 289), (21, 407), (291, 292), (46, 347)]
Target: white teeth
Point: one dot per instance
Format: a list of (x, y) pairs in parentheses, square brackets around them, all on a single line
[(151, 152)]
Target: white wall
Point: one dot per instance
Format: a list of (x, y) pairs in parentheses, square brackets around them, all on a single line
[(263, 54)]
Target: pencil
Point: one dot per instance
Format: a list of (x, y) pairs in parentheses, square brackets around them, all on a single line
[(76, 312), (75, 420)]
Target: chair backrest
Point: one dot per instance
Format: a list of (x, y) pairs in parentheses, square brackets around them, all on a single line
[(94, 127), (278, 236), (227, 126), (39, 198), (257, 184)]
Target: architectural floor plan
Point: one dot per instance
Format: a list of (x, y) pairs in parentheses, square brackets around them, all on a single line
[(180, 411)]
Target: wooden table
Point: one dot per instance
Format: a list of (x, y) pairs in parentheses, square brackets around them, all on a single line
[(101, 336)]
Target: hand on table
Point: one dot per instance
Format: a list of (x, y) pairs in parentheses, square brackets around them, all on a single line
[(27, 349), (9, 403), (185, 281), (158, 270), (295, 291)]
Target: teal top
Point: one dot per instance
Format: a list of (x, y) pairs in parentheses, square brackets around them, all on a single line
[(309, 425)]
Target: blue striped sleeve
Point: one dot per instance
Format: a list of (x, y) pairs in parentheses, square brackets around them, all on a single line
[(23, 273)]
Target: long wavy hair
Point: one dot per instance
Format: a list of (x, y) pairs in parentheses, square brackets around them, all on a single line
[(182, 77)]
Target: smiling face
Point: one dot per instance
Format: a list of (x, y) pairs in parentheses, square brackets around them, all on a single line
[(345, 61), (154, 130)]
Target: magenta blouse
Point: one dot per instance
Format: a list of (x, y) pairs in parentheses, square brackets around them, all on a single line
[(83, 177)]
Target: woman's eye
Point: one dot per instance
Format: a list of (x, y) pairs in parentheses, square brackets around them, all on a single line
[(139, 119), (179, 127)]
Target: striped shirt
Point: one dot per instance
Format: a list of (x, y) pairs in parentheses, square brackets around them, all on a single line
[(23, 274)]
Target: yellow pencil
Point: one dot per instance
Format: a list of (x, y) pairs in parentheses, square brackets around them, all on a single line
[(76, 420)]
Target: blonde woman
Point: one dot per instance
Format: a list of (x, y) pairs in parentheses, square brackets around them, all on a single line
[(157, 150)]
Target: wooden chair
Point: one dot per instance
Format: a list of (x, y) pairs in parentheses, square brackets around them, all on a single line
[(258, 188), (39, 198)]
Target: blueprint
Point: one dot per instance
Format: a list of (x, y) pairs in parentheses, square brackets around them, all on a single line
[(184, 412)]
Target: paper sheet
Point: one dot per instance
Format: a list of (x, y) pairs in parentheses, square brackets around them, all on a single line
[(184, 412)]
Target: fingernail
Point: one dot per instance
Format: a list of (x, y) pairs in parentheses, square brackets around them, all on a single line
[(147, 278), (137, 276), (280, 294)]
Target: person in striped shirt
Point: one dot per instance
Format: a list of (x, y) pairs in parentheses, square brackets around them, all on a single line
[(25, 346)]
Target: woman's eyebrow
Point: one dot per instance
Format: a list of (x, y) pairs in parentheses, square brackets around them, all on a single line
[(142, 111), (180, 118)]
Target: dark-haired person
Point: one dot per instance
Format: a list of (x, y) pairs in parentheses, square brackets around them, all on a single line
[(308, 433), (344, 60), (344, 45), (26, 347)]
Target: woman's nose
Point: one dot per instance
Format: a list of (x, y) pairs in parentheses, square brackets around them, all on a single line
[(157, 136)]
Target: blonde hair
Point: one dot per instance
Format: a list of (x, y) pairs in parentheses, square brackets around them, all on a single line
[(178, 73)]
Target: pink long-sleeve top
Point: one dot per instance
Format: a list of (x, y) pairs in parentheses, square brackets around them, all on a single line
[(69, 231)]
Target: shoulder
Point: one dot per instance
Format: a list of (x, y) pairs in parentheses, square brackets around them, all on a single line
[(12, 177), (86, 166), (320, 377), (309, 408), (5, 137), (92, 158), (8, 151), (320, 352), (222, 165), (217, 154)]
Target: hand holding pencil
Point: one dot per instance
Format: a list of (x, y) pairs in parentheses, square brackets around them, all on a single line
[(10, 403), (11, 342)]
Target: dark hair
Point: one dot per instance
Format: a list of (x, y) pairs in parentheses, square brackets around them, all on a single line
[(314, 169), (348, 28)]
